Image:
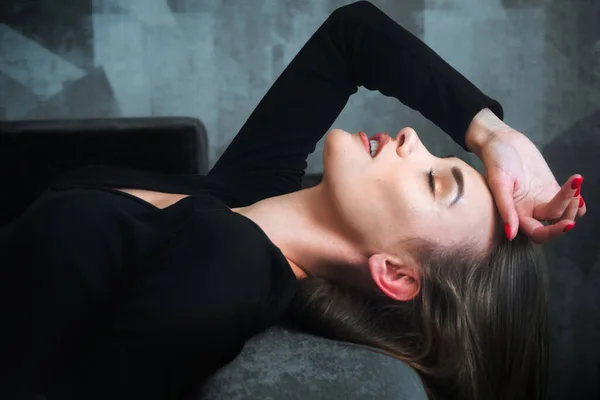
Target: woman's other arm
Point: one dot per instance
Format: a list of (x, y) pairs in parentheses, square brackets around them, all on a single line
[(358, 45)]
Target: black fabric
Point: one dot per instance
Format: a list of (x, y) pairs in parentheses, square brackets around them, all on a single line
[(146, 300), (33, 153), (106, 296)]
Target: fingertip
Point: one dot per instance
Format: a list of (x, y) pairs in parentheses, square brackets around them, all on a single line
[(576, 183), (569, 226), (507, 231)]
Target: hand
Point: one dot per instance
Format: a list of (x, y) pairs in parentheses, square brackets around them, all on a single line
[(525, 190)]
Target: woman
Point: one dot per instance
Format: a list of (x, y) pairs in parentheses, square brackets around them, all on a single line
[(129, 284)]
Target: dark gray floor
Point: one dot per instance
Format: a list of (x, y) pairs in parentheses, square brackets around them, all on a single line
[(214, 59)]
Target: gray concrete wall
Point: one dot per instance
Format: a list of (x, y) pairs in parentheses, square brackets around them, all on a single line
[(214, 60)]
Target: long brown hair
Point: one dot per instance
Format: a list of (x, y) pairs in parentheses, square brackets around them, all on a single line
[(476, 330)]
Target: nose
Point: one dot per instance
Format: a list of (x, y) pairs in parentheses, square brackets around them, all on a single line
[(408, 142)]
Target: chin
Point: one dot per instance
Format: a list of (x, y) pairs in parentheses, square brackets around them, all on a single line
[(345, 161), (346, 178), (343, 151)]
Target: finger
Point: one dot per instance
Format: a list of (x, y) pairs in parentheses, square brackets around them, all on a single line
[(542, 234), (582, 207), (503, 196), (571, 211), (556, 207)]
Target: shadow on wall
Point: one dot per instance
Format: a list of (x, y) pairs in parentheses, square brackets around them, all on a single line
[(574, 267)]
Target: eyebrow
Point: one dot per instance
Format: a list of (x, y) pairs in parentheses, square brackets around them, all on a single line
[(460, 182)]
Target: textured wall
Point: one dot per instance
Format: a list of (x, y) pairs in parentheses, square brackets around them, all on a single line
[(214, 60)]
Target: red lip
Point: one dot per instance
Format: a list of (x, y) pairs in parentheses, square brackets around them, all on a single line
[(383, 139), (365, 140)]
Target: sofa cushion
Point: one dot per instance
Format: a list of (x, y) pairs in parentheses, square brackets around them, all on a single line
[(285, 364)]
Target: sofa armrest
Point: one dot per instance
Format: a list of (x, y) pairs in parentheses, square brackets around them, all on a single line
[(33, 153)]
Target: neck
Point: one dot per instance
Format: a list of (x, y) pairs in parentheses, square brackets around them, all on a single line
[(304, 226)]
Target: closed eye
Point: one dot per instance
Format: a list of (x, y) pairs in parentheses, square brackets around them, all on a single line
[(458, 176), (431, 181), (432, 176)]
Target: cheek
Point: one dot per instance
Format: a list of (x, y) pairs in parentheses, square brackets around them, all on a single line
[(409, 203), (397, 203), (402, 189)]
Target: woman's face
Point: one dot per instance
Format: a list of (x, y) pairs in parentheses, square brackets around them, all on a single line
[(383, 200)]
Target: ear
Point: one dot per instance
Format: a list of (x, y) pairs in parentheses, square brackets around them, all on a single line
[(397, 278)]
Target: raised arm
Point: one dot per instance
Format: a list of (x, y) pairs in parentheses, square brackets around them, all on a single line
[(358, 45)]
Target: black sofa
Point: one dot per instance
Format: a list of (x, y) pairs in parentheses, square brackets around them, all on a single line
[(277, 364)]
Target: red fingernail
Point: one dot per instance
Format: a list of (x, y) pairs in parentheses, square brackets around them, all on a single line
[(569, 227), (576, 184), (581, 203), (507, 230)]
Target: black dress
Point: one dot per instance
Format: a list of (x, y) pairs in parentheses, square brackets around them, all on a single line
[(105, 296)]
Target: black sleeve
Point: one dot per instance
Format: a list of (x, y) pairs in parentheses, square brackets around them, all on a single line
[(358, 45)]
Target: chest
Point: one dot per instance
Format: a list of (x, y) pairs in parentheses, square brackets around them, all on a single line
[(157, 199)]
